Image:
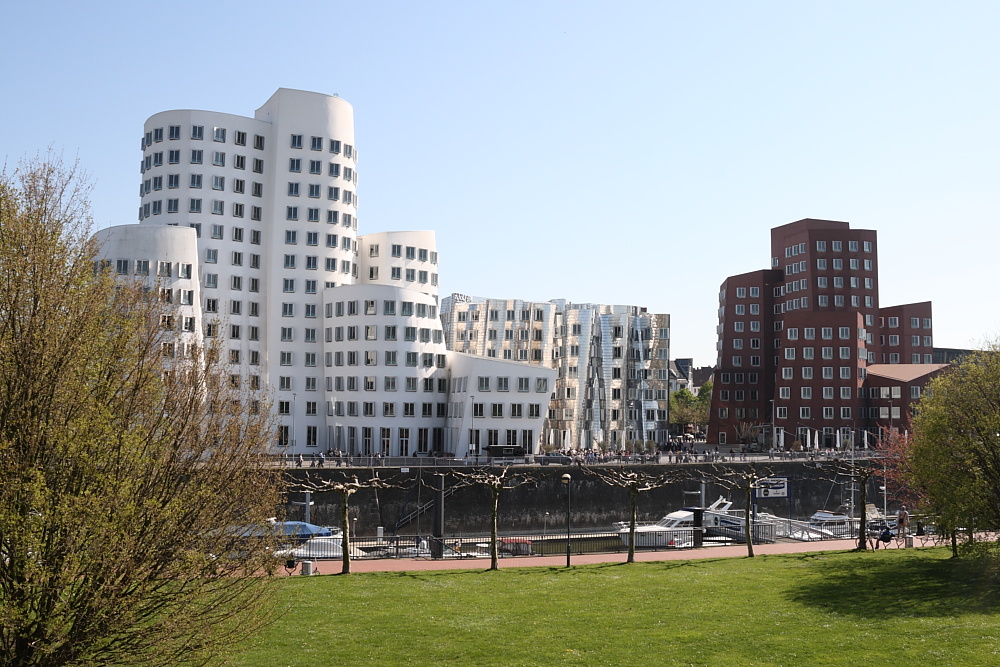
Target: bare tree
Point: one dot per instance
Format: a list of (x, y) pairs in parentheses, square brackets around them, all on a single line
[(859, 471), (636, 481), (748, 432), (496, 482), (134, 487), (345, 487), (746, 480)]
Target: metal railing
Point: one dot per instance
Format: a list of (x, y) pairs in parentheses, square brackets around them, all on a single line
[(461, 546)]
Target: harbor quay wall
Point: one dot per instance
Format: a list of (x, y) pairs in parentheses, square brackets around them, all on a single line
[(540, 505)]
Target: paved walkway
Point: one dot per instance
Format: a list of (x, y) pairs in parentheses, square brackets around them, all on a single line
[(735, 551)]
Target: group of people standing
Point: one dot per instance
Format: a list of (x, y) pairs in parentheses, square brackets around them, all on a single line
[(319, 460)]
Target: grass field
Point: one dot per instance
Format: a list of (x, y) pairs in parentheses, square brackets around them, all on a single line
[(914, 607)]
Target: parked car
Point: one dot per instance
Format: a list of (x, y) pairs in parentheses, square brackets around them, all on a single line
[(554, 459)]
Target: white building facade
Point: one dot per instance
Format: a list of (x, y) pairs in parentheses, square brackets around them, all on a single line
[(343, 330)]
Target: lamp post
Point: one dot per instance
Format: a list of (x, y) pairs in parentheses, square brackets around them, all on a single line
[(890, 421), (545, 525), (566, 479), (473, 436), (772, 424)]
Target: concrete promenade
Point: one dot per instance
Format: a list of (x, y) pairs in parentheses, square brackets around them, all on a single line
[(735, 551)]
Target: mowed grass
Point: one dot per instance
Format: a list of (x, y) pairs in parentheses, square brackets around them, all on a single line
[(912, 607)]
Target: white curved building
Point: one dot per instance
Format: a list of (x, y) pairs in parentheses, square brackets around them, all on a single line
[(344, 329), (163, 259)]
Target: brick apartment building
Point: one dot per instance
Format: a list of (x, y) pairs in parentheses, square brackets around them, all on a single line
[(806, 352)]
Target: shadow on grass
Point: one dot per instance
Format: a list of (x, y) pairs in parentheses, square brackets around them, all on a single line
[(898, 584)]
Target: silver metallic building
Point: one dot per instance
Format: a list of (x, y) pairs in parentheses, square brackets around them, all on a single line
[(613, 361)]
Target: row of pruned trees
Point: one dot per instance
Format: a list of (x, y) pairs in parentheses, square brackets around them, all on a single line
[(744, 480)]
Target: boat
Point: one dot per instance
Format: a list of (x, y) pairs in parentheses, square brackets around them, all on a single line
[(676, 530), (320, 548), (842, 524)]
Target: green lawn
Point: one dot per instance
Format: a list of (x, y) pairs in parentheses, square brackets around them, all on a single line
[(915, 607)]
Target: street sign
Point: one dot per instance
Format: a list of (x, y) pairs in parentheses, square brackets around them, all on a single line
[(772, 487)]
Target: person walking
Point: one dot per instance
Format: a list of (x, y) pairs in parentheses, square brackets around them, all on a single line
[(902, 521)]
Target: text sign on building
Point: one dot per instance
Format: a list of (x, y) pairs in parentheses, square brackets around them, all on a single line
[(772, 487)]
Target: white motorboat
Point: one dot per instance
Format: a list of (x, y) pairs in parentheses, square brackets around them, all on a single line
[(319, 548), (676, 530), (837, 522)]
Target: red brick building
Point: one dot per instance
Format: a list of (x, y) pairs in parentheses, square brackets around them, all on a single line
[(798, 344)]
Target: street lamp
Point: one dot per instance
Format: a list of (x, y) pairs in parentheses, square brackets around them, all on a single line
[(545, 525), (473, 436), (772, 424), (566, 479)]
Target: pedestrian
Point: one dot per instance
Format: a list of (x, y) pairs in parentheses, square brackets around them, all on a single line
[(902, 521), (298, 464)]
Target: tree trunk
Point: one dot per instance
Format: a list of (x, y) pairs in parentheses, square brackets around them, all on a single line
[(634, 501), (863, 526), (345, 529), (494, 546), (748, 533)]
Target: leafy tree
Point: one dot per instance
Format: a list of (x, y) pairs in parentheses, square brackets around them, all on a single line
[(953, 458), (686, 408), (636, 481), (129, 488), (705, 400)]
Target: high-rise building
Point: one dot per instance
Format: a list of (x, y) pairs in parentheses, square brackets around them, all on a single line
[(799, 344), (613, 363), (256, 234)]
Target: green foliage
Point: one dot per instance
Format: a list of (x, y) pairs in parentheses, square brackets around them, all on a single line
[(125, 480), (686, 408), (907, 606), (953, 458)]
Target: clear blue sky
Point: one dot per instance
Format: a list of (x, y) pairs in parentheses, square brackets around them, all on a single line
[(626, 152)]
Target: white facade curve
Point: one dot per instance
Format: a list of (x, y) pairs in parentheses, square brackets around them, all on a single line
[(163, 259), (387, 371), (497, 407), (406, 259)]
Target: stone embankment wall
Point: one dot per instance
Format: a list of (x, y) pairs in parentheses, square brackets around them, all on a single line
[(595, 505)]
